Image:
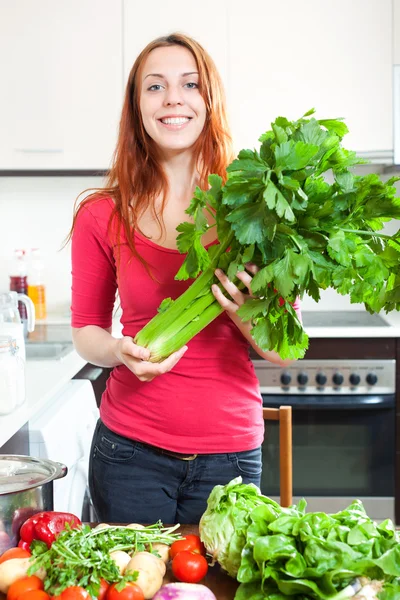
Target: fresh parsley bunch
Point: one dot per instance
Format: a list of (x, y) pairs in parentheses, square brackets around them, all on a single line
[(278, 210)]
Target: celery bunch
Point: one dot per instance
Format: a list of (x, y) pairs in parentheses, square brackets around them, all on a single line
[(278, 210)]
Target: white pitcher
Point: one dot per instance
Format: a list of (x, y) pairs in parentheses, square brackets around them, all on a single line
[(10, 321)]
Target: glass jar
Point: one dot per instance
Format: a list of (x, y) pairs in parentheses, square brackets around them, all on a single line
[(12, 376)]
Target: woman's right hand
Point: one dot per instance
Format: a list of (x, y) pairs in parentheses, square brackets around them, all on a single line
[(136, 359)]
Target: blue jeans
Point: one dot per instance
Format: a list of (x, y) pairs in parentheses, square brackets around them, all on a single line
[(133, 482)]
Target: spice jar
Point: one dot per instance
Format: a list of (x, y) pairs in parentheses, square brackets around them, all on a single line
[(12, 376)]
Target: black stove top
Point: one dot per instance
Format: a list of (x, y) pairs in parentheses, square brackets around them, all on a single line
[(342, 318)]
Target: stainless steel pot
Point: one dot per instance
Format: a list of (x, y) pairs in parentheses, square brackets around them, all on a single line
[(26, 488)]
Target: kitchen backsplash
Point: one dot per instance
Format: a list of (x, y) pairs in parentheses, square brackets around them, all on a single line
[(37, 212)]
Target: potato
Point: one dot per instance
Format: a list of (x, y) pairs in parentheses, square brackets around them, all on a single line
[(163, 551), (101, 526), (121, 558), (149, 582), (147, 561), (16, 568)]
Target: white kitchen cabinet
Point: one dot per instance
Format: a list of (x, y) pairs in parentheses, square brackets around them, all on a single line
[(205, 21), (287, 57), (396, 32), (61, 83)]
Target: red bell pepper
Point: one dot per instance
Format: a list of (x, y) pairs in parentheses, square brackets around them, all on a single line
[(45, 526), (24, 545)]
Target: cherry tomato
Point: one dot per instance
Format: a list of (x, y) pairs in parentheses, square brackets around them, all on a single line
[(104, 585), (34, 595), (189, 567), (130, 592), (192, 543), (14, 553), (74, 592), (26, 584)]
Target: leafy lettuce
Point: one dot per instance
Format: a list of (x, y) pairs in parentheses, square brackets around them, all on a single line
[(277, 552)]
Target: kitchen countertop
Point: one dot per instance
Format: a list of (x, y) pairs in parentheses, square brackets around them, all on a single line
[(43, 379)]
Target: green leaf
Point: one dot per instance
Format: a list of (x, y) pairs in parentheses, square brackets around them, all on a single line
[(283, 273), (165, 305), (280, 134), (262, 278), (294, 156), (253, 307), (248, 222), (275, 200), (186, 236), (248, 164), (196, 261), (335, 126)]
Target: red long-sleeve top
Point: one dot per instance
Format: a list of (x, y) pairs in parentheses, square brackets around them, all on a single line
[(210, 401)]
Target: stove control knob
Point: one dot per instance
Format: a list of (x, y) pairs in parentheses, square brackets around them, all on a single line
[(354, 379), (337, 379), (320, 378), (302, 378), (286, 379), (372, 379)]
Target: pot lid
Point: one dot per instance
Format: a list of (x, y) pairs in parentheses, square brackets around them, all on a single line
[(19, 473)]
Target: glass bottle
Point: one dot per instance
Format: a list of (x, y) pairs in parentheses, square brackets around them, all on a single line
[(19, 280), (36, 285)]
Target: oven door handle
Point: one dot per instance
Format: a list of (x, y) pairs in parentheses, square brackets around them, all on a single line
[(361, 402)]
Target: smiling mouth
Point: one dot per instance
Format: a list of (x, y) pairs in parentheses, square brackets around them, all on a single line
[(175, 120)]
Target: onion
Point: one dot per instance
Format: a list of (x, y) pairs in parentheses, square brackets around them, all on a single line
[(184, 591)]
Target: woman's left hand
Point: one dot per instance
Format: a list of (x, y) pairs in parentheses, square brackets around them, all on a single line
[(232, 306), (238, 297)]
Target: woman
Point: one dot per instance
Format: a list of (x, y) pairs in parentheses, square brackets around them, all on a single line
[(171, 431)]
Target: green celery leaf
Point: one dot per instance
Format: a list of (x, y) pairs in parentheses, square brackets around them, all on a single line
[(334, 125), (196, 261), (275, 200), (165, 304), (248, 222), (294, 155), (249, 164), (186, 236), (253, 307), (283, 272), (261, 279)]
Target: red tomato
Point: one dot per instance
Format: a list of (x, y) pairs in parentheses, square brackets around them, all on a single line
[(34, 595), (104, 585), (192, 543), (74, 592), (130, 592), (14, 553), (26, 584), (189, 567)]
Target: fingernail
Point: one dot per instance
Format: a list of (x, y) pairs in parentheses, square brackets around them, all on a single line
[(218, 272), (145, 354), (214, 288)]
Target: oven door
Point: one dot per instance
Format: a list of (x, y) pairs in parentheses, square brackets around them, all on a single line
[(343, 448)]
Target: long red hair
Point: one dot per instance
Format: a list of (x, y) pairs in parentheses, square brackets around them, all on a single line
[(136, 178)]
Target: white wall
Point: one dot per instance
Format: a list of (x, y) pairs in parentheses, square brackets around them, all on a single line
[(37, 212)]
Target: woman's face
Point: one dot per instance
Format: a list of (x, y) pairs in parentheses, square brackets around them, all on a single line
[(173, 111)]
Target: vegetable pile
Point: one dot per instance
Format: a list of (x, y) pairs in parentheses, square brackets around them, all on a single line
[(278, 552), (84, 556), (278, 210)]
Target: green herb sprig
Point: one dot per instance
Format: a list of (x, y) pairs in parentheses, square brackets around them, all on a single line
[(81, 556)]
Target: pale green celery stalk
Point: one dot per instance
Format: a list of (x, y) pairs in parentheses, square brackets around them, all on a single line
[(173, 339), (186, 316)]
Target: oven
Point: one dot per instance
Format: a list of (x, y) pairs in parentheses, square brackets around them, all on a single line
[(344, 427)]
